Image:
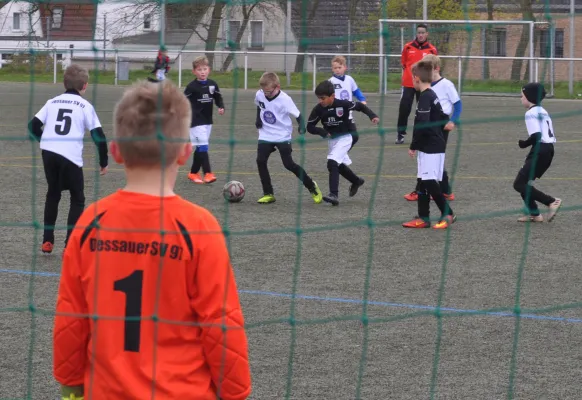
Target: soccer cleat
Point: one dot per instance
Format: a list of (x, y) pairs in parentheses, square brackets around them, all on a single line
[(531, 218), (195, 178), (316, 194), (445, 222), (400, 138), (449, 197), (331, 198), (266, 199), (47, 247), (416, 223), (355, 186), (412, 196), (209, 177), (554, 207)]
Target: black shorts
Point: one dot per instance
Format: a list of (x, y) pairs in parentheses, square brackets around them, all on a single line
[(542, 161), (61, 173)]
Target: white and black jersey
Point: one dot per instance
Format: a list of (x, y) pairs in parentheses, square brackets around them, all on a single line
[(428, 131), (202, 96), (447, 94), (274, 114), (335, 118), (344, 87), (538, 122), (65, 119)]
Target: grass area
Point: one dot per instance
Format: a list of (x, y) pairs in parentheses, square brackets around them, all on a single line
[(368, 82)]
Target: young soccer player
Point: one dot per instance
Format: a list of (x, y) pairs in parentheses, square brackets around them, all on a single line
[(452, 107), (345, 87), (147, 305), (428, 144), (275, 129), (334, 115), (542, 138), (202, 93), (162, 65), (60, 127)]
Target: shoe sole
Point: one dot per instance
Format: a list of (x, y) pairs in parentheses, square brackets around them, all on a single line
[(551, 217)]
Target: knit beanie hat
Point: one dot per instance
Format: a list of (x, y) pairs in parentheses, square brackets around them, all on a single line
[(534, 92)]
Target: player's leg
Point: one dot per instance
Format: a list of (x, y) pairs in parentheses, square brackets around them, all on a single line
[(337, 154), (354, 132), (209, 177), (422, 220), (53, 172), (264, 151), (285, 151), (355, 181), (194, 174), (76, 185), (406, 101)]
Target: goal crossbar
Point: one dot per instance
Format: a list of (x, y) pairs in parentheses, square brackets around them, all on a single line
[(383, 75)]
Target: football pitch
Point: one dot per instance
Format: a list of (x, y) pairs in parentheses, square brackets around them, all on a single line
[(342, 302)]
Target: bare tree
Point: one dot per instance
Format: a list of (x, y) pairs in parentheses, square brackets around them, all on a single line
[(212, 36), (527, 15), (411, 7)]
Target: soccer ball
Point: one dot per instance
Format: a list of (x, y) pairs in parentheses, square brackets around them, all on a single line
[(233, 191)]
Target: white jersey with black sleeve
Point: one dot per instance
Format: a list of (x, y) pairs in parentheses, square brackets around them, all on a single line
[(65, 119), (537, 120), (275, 115), (344, 89)]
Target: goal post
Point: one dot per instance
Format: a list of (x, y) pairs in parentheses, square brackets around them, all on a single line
[(474, 42)]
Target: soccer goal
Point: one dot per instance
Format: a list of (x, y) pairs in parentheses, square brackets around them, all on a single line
[(481, 57)]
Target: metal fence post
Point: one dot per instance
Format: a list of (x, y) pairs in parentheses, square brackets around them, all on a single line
[(180, 69), (459, 84), (55, 66), (314, 70), (246, 69), (116, 65)]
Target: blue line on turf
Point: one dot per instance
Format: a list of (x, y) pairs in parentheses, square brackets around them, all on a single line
[(358, 301)]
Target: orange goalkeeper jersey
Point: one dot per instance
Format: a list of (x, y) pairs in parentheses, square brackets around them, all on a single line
[(148, 306)]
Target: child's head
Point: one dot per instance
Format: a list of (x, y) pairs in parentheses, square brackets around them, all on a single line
[(435, 61), (76, 78), (151, 125), (270, 84), (422, 73), (339, 65), (201, 68), (325, 92), (532, 94)]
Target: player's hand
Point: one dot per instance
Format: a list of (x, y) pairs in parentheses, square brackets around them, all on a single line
[(221, 111), (364, 102), (258, 124), (522, 144), (103, 171), (450, 126), (411, 153), (375, 120), (301, 130)]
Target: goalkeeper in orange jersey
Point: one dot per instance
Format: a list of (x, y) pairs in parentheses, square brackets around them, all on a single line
[(147, 304)]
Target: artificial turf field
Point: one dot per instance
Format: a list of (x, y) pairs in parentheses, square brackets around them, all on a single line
[(364, 320)]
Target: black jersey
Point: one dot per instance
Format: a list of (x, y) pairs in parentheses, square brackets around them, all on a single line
[(335, 118), (202, 95), (428, 124)]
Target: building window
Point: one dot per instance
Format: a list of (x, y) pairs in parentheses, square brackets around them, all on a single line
[(257, 34), (497, 43), (559, 43), (232, 34), (147, 21), (544, 42), (16, 21), (57, 18)]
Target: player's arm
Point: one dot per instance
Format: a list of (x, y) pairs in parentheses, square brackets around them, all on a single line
[(312, 121), (455, 100), (258, 120), (37, 122), (363, 109), (421, 120), (218, 97), (71, 325), (216, 304), (356, 92), (93, 125), (294, 111), (404, 57), (533, 126)]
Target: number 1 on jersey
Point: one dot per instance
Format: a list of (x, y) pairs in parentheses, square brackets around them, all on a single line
[(550, 133), (132, 287)]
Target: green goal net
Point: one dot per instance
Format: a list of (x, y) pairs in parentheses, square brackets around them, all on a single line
[(339, 302)]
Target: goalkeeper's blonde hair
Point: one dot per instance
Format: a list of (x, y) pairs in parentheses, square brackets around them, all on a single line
[(434, 60), (151, 124)]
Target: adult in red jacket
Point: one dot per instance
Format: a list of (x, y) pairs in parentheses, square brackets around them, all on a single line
[(412, 53)]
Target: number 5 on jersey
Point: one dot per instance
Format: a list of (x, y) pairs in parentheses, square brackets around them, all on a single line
[(65, 122)]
